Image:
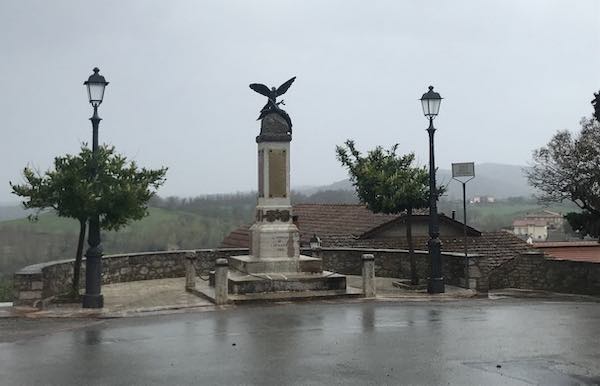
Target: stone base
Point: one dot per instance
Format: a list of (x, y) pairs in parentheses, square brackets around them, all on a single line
[(253, 265), (209, 293), (240, 283), (274, 240), (406, 284), (251, 278)]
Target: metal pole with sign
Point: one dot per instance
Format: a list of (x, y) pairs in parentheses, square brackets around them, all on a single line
[(463, 173)]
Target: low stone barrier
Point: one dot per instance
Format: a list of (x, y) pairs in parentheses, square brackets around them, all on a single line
[(533, 270), (396, 263), (36, 284)]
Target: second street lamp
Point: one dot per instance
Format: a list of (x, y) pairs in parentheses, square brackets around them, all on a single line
[(93, 264), (431, 101)]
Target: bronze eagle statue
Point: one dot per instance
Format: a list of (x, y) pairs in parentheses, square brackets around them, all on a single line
[(272, 94)]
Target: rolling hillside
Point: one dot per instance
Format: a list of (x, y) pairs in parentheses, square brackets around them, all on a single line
[(497, 180), (24, 242)]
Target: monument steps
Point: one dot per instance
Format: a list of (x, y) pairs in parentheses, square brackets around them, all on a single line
[(207, 292)]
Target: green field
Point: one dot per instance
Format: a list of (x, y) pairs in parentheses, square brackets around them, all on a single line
[(499, 215), (49, 222), (23, 242), (5, 290)]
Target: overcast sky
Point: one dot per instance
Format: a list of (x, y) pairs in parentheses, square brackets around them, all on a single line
[(511, 74)]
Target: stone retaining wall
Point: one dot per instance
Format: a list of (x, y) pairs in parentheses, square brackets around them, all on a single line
[(396, 263), (533, 270), (36, 284)]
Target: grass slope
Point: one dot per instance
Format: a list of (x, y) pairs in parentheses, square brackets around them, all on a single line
[(23, 242), (491, 217)]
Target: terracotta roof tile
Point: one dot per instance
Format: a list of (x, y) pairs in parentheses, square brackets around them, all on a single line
[(341, 225), (571, 250), (239, 238), (337, 219), (577, 243)]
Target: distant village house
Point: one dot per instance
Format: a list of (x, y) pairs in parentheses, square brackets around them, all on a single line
[(482, 200), (538, 226)]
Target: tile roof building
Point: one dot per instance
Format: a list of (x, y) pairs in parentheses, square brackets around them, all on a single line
[(538, 225), (354, 226), (496, 259), (571, 250)]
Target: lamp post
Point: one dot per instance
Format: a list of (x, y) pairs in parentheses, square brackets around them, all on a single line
[(431, 101), (315, 242), (93, 265)]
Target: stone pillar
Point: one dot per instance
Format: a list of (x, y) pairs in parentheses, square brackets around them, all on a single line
[(190, 272), (274, 235), (368, 274), (221, 281)]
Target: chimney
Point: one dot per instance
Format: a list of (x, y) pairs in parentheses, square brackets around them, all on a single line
[(453, 215)]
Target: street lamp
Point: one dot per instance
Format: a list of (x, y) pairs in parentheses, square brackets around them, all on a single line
[(315, 242), (431, 101), (93, 264)]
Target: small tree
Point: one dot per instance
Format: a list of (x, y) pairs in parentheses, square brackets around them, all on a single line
[(568, 168), (596, 105), (388, 183), (119, 193)]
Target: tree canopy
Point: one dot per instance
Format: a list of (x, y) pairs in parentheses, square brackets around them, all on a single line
[(385, 181), (568, 168), (119, 193), (388, 183)]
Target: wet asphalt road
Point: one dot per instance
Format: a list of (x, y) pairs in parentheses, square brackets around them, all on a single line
[(474, 342)]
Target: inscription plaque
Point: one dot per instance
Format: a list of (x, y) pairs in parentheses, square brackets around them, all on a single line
[(261, 173), (280, 244), (277, 173)]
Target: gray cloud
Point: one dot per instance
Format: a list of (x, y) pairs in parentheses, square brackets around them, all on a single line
[(511, 73)]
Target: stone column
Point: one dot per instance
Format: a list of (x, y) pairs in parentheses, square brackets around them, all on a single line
[(190, 272), (221, 281), (368, 275), (274, 234)]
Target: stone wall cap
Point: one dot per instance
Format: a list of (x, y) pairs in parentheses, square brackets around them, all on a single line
[(533, 252), (39, 267), (393, 250)]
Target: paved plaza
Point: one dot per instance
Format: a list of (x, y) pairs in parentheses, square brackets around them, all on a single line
[(168, 295), (461, 342)]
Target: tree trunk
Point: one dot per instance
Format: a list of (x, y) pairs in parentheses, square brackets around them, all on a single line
[(78, 258), (414, 279)]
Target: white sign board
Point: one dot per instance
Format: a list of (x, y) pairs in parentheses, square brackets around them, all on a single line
[(464, 169)]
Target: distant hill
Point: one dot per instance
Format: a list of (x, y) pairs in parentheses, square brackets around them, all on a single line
[(23, 242), (497, 180), (11, 212)]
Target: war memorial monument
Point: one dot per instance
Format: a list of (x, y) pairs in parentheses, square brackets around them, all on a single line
[(274, 266)]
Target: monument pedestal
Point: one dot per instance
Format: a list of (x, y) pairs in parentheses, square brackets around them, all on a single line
[(274, 269), (241, 283)]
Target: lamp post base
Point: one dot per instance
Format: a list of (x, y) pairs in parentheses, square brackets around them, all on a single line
[(93, 301), (436, 285)]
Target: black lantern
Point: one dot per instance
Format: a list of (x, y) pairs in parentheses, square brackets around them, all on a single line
[(431, 101), (95, 87)]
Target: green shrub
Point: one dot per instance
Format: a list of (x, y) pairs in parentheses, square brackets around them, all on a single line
[(6, 290)]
